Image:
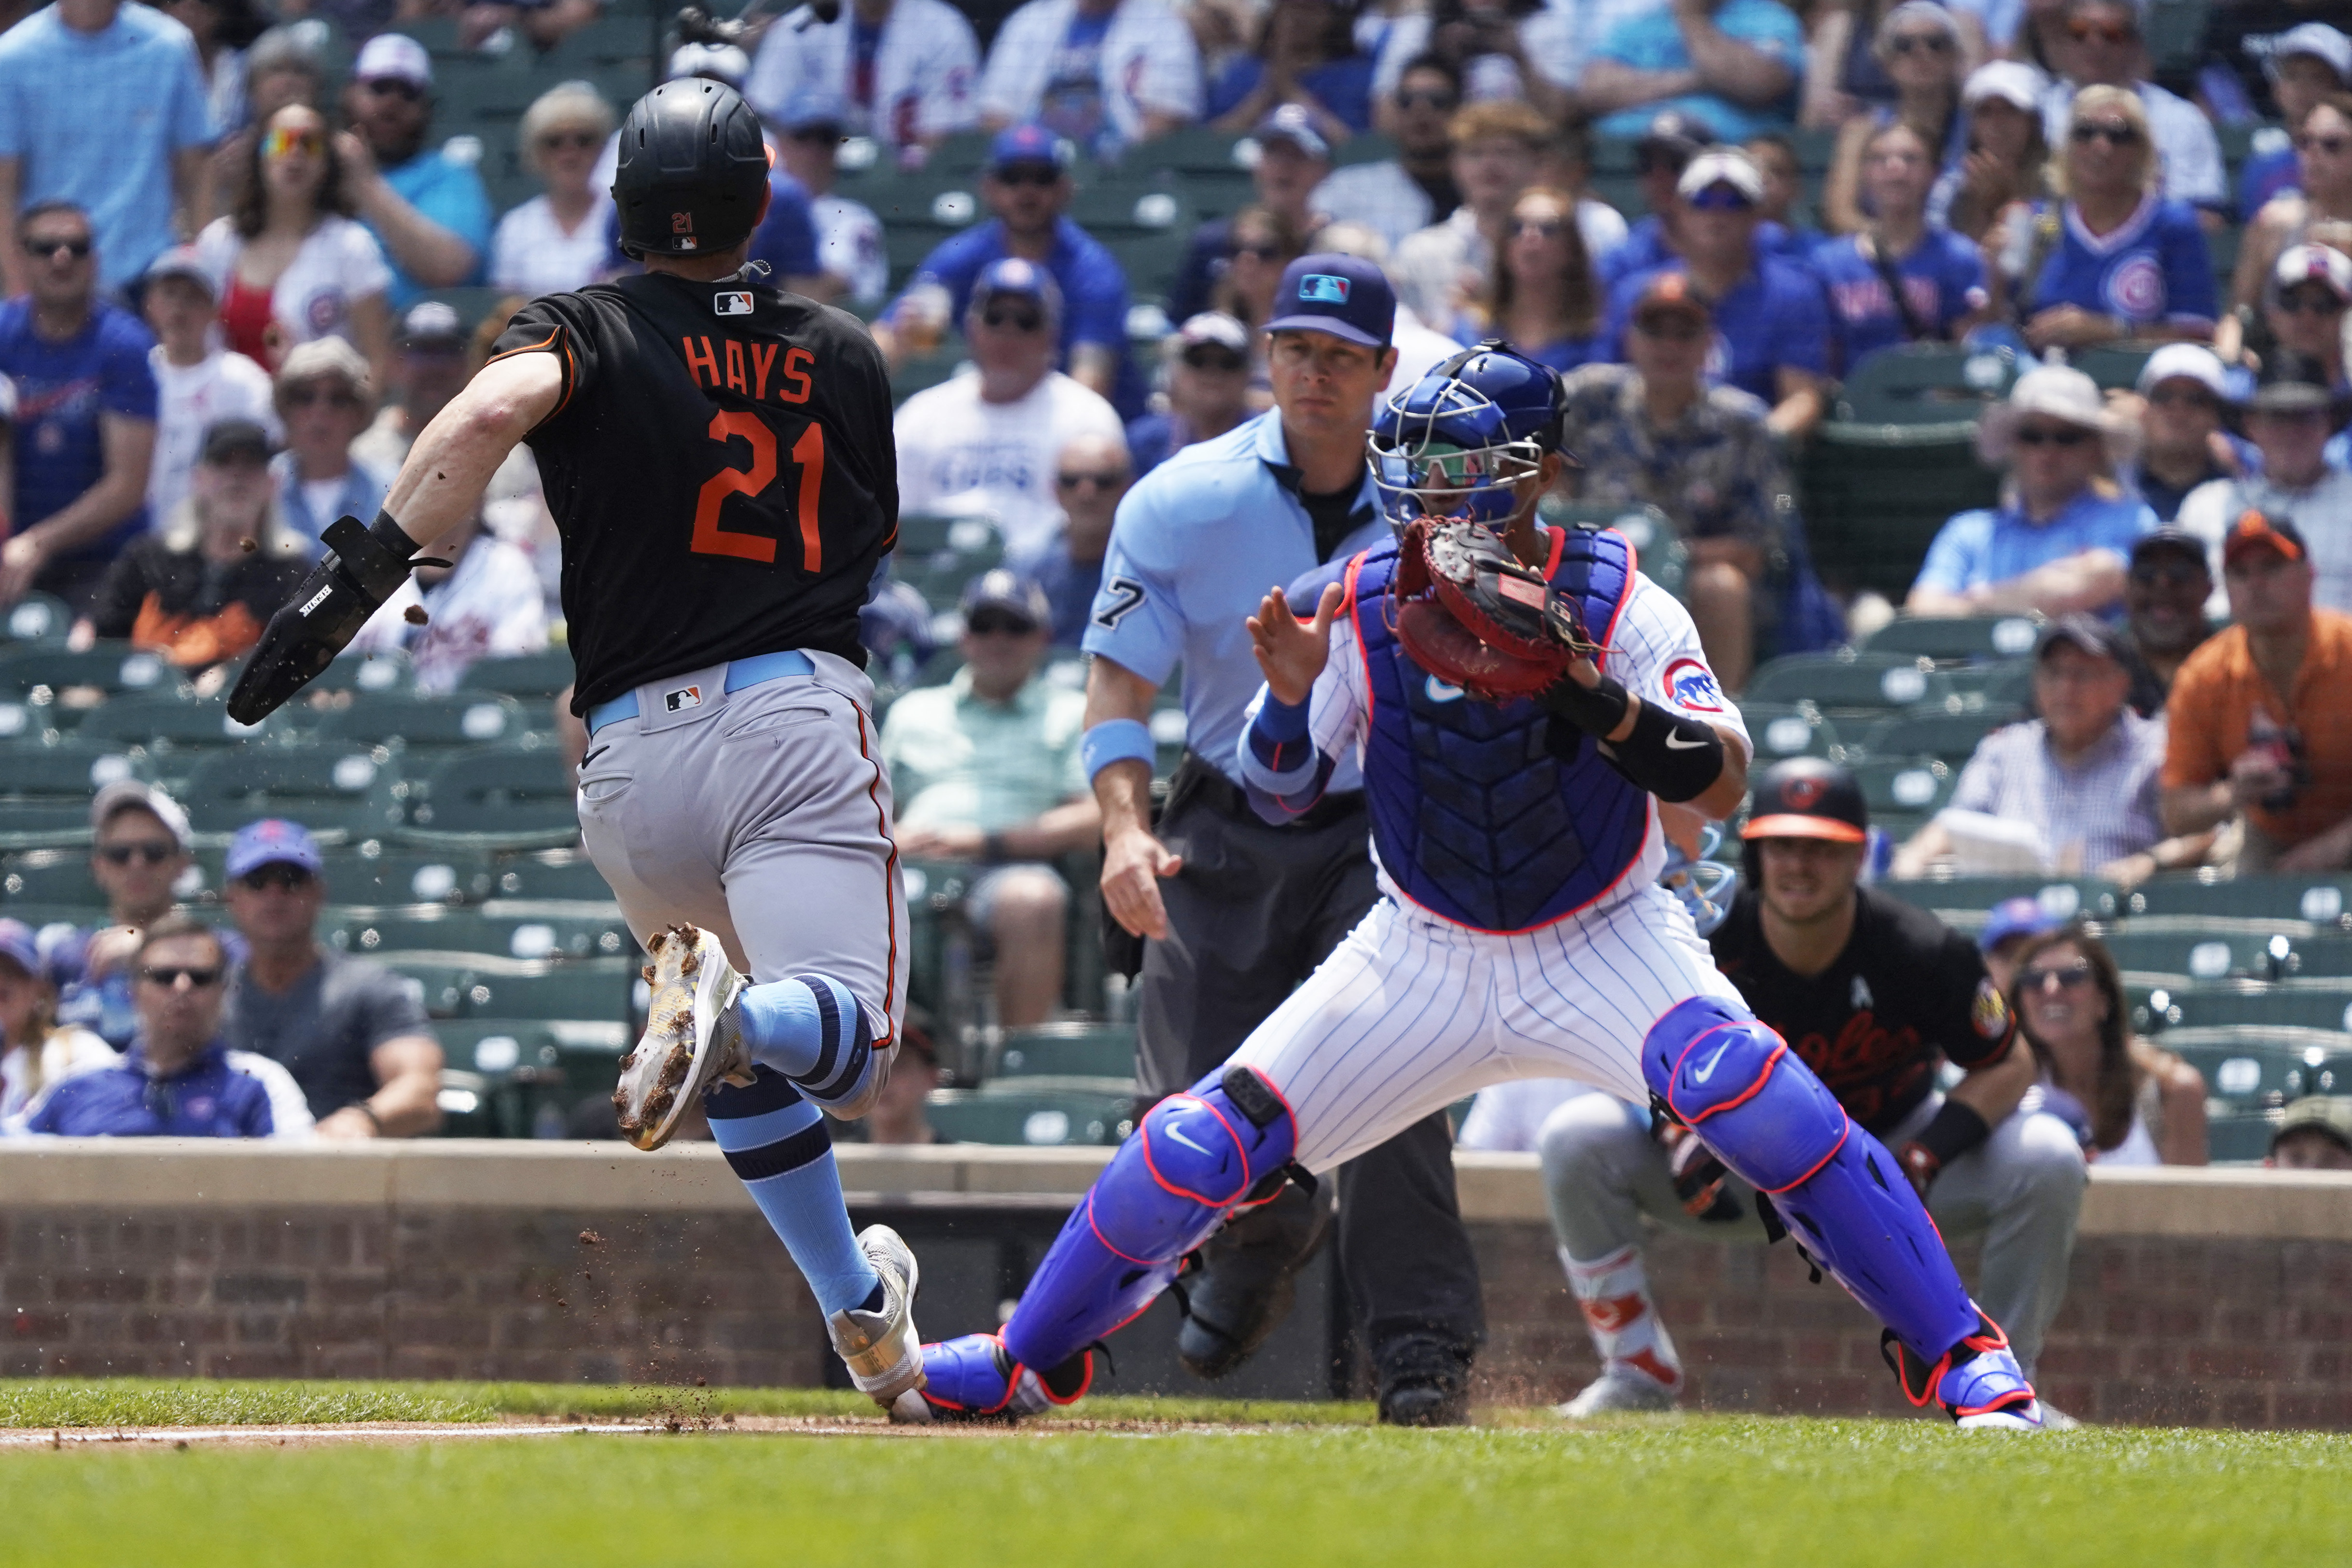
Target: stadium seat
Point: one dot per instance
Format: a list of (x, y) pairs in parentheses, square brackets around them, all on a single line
[(432, 928), (2115, 366), (46, 789), (340, 793), (165, 722), (2272, 1007), (1790, 729), (1925, 384), (363, 674), (1662, 556), (37, 618), (417, 720), (485, 985), (1964, 901), (1999, 684), (50, 876), (1874, 495), (110, 667), (1076, 1057), (1946, 638), (556, 875), (369, 874), (1846, 685), (1952, 737), (533, 679), (1903, 791), (937, 555), (1043, 1120), (2306, 902), (494, 797)]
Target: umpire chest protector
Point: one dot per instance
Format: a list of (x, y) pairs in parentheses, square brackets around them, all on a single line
[(1481, 812)]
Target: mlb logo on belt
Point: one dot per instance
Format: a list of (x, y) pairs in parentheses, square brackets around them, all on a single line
[(684, 697), (733, 303), (1324, 289)]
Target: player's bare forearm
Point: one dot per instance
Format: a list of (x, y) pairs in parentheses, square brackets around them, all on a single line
[(1993, 1089), (1719, 800), (441, 484)]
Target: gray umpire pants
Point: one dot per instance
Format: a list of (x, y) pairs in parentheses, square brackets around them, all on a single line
[(1254, 910), (2022, 1190)]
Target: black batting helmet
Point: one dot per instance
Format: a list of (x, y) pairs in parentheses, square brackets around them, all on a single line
[(693, 173)]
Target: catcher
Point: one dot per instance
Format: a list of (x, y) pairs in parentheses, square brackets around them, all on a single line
[(1513, 762)]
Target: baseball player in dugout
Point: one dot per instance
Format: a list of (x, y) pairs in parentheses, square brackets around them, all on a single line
[(1520, 700), (1874, 996), (718, 456), (1234, 910)]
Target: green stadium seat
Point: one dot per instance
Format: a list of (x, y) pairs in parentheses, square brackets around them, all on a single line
[(1964, 901), (37, 618), (1950, 736), (1790, 729), (445, 979), (494, 797), (431, 928), (2323, 903), (2006, 683), (1849, 686), (556, 875), (419, 719), (1082, 1057), (534, 679), (368, 675), (369, 874), (589, 989), (2179, 959), (340, 793), (1903, 787), (1194, 150), (50, 876), (163, 723), (1663, 556), (2326, 1009), (1925, 384), (2117, 366), (1947, 638), (112, 667), (1041, 1120), (937, 555), (529, 1068), (46, 789)]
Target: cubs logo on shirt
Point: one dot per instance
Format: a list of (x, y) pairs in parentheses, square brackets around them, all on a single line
[(2136, 289), (1691, 685)]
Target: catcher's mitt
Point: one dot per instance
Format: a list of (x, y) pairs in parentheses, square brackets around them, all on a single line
[(1471, 614)]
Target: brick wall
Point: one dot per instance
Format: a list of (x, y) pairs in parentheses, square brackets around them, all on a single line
[(482, 1273)]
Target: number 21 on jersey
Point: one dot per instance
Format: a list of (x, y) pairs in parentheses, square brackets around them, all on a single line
[(729, 426)]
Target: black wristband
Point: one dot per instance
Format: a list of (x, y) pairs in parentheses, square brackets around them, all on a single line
[(392, 537), (1595, 709), (1953, 1131), (1674, 757)]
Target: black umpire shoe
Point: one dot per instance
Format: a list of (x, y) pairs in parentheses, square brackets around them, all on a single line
[(1424, 1382), (1247, 1282)]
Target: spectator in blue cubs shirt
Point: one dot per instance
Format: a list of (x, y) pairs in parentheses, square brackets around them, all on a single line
[(1026, 185), (86, 407), (1772, 327), (1941, 276), (1734, 64), (2305, 65), (178, 1080), (1666, 148)]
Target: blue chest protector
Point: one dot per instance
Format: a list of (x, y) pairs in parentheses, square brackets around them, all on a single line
[(1476, 819)]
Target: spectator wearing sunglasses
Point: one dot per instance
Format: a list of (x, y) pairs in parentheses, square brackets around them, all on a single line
[(984, 442), (2321, 209), (903, 71), (2308, 294), (1264, 243), (425, 207), (1104, 73), (85, 406), (2129, 1102), (1863, 73), (849, 245), (2165, 591), (1666, 148), (326, 396), (2100, 44), (181, 1078), (352, 1033), (986, 769), (37, 1051), (289, 263), (1543, 295), (2059, 538), (1401, 195), (1940, 276), (102, 107), (2111, 257), (1523, 50), (1771, 322), (141, 848), (2306, 66), (1293, 160), (2289, 415), (1208, 365), (2183, 391), (1028, 188), (1089, 477), (1734, 64), (555, 241)]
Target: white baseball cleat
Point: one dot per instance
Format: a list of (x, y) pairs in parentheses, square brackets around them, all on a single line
[(882, 1350), (1617, 1394), (692, 1039)]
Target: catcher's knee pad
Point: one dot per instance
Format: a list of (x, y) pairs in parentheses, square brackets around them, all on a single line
[(1198, 1155)]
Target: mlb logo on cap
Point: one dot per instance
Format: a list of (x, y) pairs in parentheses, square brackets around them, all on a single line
[(1340, 295), (1323, 289)]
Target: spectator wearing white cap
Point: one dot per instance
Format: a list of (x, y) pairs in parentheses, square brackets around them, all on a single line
[(2322, 195), (556, 241), (1207, 366), (199, 382), (2002, 158), (1294, 158), (426, 206), (807, 136), (289, 263), (2101, 43), (2305, 305), (2064, 529), (2183, 392), (141, 849), (904, 71), (325, 395), (1922, 56), (102, 105), (2294, 408), (2301, 66), (1103, 73)]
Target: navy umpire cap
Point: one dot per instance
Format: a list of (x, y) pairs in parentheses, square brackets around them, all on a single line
[(1807, 797), (693, 171), (1342, 295)]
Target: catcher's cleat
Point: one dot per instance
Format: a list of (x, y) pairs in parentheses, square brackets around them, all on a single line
[(1977, 1381), (882, 1350), (975, 1378), (692, 1037)]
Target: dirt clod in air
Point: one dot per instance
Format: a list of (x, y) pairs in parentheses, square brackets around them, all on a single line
[(415, 615)]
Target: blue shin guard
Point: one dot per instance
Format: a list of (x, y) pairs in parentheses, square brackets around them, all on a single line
[(1755, 1102), (1198, 1156)]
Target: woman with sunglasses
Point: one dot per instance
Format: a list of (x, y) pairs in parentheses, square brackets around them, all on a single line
[(2112, 257), (2129, 1102), (1940, 275), (2323, 148), (556, 240), (35, 1051), (1264, 243), (291, 263), (1542, 296), (1925, 59)]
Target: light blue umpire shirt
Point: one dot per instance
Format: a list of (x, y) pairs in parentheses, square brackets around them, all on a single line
[(1195, 546)]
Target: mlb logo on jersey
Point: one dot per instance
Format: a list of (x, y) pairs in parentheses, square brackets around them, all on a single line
[(683, 698), (1323, 289), (734, 302), (1691, 685)]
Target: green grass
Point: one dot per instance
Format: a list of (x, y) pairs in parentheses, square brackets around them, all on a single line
[(1707, 1492)]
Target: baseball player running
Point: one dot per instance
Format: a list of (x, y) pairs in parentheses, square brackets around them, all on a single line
[(1513, 761), (718, 459), (1873, 993)]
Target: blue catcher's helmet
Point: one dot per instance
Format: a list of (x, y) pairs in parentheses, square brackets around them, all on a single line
[(1454, 443)]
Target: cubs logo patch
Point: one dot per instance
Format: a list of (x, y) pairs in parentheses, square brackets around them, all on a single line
[(1990, 1012), (2136, 289), (683, 698), (734, 302), (1323, 289), (1691, 685)]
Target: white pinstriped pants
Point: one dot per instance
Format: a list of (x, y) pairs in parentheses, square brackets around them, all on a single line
[(1411, 1013)]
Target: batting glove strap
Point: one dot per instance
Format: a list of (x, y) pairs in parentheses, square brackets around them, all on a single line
[(1673, 758)]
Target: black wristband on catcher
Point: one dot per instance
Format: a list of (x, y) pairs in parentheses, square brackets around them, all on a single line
[(1953, 1131), (1596, 709), (1674, 757), (363, 568)]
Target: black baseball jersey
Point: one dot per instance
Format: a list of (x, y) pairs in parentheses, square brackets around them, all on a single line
[(722, 469), (1906, 989)]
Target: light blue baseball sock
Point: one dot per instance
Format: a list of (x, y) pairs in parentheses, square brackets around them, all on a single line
[(810, 1028), (777, 1143)]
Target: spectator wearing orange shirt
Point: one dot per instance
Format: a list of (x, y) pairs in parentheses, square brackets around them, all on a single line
[(2259, 725)]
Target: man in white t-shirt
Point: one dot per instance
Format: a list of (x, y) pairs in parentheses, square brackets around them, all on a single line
[(808, 132), (1104, 73), (903, 70), (985, 442), (487, 604), (200, 383)]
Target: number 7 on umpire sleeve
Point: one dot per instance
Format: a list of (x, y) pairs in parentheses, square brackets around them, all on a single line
[(709, 539)]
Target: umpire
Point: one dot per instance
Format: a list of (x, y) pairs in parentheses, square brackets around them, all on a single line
[(1874, 994), (1236, 911)]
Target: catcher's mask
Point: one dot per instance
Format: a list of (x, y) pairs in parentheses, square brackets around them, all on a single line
[(1457, 443)]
